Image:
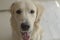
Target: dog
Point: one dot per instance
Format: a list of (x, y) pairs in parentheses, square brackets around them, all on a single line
[(25, 20)]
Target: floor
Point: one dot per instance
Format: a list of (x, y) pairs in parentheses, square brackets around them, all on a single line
[(50, 22)]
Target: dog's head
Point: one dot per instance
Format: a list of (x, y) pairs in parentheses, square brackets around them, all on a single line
[(26, 14)]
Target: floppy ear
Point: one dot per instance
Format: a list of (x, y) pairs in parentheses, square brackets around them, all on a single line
[(39, 12), (12, 8), (13, 20), (39, 15)]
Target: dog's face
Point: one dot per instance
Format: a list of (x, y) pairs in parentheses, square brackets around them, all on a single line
[(25, 14)]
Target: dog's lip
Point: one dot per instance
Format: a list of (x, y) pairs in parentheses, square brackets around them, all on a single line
[(25, 32)]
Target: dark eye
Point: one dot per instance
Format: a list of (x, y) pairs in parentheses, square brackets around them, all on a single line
[(18, 11), (32, 11)]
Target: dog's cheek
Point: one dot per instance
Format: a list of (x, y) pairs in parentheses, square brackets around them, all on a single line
[(31, 23), (17, 17), (31, 27)]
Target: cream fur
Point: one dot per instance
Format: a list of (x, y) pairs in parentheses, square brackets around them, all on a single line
[(33, 19)]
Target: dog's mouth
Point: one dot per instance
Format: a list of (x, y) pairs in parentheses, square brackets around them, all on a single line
[(25, 35)]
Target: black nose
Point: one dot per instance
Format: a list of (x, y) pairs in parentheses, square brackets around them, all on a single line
[(25, 27)]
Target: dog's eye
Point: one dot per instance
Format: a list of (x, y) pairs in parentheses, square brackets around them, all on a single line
[(18, 11), (32, 11)]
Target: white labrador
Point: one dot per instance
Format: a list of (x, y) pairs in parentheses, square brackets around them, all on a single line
[(25, 18)]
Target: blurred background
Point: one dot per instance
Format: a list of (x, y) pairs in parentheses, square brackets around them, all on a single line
[(50, 21)]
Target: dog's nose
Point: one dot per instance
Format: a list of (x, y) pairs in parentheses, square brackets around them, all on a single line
[(25, 27)]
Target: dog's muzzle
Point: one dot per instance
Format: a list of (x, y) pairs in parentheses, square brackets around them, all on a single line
[(25, 34)]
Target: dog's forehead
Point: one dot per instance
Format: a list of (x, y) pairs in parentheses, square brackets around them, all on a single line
[(25, 4), (30, 5)]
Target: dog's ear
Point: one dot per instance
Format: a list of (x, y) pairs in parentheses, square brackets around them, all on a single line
[(12, 8), (39, 13)]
